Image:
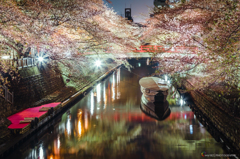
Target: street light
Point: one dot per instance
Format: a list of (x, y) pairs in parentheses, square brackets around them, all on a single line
[(40, 59), (98, 63)]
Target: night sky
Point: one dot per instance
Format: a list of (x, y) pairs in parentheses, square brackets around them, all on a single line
[(139, 7)]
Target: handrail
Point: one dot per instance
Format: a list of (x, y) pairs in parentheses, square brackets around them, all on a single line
[(26, 62), (8, 96)]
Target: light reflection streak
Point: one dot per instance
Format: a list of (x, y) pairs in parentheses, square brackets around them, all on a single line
[(86, 120), (99, 92), (58, 142), (104, 96), (191, 129), (33, 154), (69, 125), (113, 88), (41, 152), (92, 103), (56, 146), (79, 128), (118, 83)]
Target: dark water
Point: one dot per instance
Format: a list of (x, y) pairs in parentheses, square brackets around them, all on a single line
[(108, 123)]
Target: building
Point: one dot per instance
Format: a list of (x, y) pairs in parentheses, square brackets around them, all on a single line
[(128, 14)]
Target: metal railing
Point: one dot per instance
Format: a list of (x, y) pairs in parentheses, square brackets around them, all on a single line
[(26, 62), (8, 96), (22, 62)]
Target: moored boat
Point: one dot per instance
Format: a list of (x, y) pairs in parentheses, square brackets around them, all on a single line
[(153, 100)]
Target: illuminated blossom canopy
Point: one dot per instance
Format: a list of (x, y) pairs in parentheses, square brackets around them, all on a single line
[(62, 30), (213, 26)]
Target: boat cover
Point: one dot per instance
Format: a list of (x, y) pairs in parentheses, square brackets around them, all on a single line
[(153, 83)]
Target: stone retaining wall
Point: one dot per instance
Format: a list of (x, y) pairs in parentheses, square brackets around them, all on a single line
[(226, 124)]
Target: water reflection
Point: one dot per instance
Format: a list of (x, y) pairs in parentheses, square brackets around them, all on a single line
[(92, 103), (125, 132), (41, 152), (79, 126), (113, 87), (69, 125), (99, 92)]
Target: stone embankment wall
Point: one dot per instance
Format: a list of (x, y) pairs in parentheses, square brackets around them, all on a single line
[(36, 85), (228, 125)]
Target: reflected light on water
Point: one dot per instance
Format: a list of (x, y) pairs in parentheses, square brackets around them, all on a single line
[(113, 88), (79, 128), (92, 103), (99, 92), (69, 125), (58, 143), (56, 146), (41, 152), (181, 101), (104, 96), (86, 120), (191, 129), (118, 84), (33, 154)]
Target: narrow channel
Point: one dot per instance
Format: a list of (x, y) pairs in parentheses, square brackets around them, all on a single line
[(108, 123)]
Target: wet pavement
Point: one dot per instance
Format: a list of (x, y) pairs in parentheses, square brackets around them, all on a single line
[(108, 123)]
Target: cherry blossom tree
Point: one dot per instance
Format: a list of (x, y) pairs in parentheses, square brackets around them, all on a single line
[(212, 26), (63, 30)]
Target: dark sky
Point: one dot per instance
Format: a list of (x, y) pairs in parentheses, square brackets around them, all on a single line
[(139, 7)]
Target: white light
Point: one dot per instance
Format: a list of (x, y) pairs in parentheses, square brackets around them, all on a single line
[(58, 142), (98, 63), (177, 95), (99, 92), (5, 57), (40, 59), (165, 78), (41, 152), (191, 129), (68, 125), (92, 103), (181, 102)]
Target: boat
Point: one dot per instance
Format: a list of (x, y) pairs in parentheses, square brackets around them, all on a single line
[(153, 100)]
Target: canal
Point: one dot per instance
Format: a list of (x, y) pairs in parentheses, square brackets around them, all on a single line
[(108, 123)]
